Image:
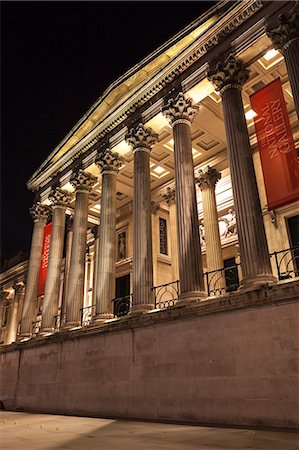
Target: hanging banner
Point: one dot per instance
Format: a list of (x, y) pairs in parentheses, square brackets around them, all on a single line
[(276, 145), (45, 259)]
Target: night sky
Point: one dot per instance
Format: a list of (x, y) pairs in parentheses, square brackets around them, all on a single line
[(57, 59)]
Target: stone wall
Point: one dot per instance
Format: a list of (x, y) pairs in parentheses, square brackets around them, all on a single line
[(228, 361)]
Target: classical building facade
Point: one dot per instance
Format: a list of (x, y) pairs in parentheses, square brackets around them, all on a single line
[(151, 186), (157, 197)]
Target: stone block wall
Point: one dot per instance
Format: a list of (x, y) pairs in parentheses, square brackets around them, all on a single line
[(228, 361)]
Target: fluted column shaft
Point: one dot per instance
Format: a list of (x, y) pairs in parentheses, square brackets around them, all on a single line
[(105, 291), (180, 111), (13, 322), (109, 163), (141, 140), (291, 54), (75, 290), (190, 262), (40, 214), (285, 38), (67, 262), (254, 253), (59, 199)]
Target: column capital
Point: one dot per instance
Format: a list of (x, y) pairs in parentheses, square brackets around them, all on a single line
[(141, 138), (109, 161), (83, 181), (180, 110), (39, 212), (229, 73), (287, 30), (3, 295), (60, 197), (208, 178), (169, 196)]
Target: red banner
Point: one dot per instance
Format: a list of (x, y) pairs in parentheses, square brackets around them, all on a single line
[(45, 259), (277, 149)]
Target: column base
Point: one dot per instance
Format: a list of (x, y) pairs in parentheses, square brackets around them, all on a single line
[(46, 331), (24, 337), (140, 309), (101, 318), (69, 326), (252, 283), (191, 297)]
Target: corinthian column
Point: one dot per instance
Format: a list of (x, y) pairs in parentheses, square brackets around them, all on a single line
[(59, 199), (169, 197), (207, 181), (39, 214), (285, 38), (229, 77), (109, 163), (83, 183), (13, 322), (180, 112), (141, 140)]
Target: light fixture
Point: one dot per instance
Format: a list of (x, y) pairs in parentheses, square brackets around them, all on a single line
[(250, 114), (270, 54), (159, 170)]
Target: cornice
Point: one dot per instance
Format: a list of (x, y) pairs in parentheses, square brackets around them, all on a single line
[(234, 17)]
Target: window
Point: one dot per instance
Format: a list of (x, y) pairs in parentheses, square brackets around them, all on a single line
[(231, 275), (163, 236)]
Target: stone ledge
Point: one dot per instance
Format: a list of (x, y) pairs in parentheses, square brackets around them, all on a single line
[(272, 295)]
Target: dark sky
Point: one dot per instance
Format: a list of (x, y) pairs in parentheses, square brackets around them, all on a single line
[(57, 58)]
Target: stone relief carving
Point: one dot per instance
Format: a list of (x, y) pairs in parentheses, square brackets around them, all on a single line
[(121, 245), (227, 227)]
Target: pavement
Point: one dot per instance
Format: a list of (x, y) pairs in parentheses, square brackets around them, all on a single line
[(24, 431)]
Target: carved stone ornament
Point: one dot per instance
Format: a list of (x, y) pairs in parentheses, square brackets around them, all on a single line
[(83, 181), (229, 73), (155, 207), (169, 196), (60, 197), (18, 287), (3, 295), (141, 137), (179, 108), (287, 30), (109, 161), (39, 212), (208, 178)]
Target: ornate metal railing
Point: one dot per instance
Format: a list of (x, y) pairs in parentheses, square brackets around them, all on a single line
[(221, 281), (122, 305), (87, 314), (166, 295), (287, 263)]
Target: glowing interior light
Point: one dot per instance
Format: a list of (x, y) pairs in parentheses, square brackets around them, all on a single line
[(159, 170), (98, 206), (270, 54), (250, 114)]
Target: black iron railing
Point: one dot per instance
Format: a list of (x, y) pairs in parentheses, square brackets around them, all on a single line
[(87, 314), (287, 263), (166, 295), (221, 281), (122, 305)]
